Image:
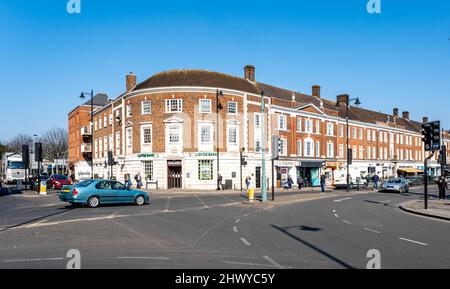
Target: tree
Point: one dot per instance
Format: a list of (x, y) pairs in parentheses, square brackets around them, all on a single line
[(2, 150), (54, 144), (15, 144)]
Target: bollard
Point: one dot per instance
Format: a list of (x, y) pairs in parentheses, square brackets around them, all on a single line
[(251, 194)]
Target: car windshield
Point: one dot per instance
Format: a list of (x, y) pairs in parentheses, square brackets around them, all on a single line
[(396, 181), (16, 165)]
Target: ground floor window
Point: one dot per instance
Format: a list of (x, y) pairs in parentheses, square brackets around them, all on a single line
[(205, 170), (147, 167)]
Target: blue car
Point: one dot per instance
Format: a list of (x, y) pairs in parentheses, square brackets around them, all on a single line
[(95, 192)]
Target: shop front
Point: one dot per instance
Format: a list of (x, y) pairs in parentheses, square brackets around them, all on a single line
[(310, 171)]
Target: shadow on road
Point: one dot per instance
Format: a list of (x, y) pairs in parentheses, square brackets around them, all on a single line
[(329, 256)]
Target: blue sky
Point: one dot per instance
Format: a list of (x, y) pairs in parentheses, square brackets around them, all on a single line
[(399, 58)]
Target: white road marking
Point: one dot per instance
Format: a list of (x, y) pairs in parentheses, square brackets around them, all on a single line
[(412, 241), (336, 215), (347, 222), (341, 200), (245, 242), (246, 215), (270, 207), (235, 229), (270, 260), (145, 258), (204, 205), (237, 221), (167, 204), (371, 230), (32, 260), (334, 211), (257, 211), (250, 264)]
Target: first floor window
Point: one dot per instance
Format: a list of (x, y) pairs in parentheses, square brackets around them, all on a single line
[(146, 135), (96, 148), (282, 125), (341, 151), (117, 143), (129, 112), (283, 147), (146, 107), (318, 149), (309, 148), (308, 126), (354, 152), (232, 107), (147, 167), (299, 148), (361, 152), (374, 152), (205, 170), (129, 139), (369, 152), (330, 150), (174, 134), (299, 124), (205, 134), (205, 105), (381, 153), (233, 135), (174, 105), (105, 146)]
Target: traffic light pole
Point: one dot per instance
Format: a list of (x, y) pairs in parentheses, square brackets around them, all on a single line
[(263, 152), (273, 179), (426, 180)]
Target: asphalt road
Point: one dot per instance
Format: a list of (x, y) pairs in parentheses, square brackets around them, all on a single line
[(219, 231)]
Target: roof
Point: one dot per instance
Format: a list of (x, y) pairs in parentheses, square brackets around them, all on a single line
[(197, 78), (100, 99)]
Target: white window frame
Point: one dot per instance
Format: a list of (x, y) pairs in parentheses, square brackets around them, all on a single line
[(146, 146), (209, 126), (299, 148), (299, 124), (309, 126), (318, 149), (330, 129), (117, 143), (129, 112), (172, 103), (146, 107), (201, 102), (236, 107), (283, 147), (330, 150), (233, 145), (308, 147), (129, 140), (282, 122), (341, 151), (341, 131)]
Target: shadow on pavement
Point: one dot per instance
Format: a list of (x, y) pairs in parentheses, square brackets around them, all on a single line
[(335, 259)]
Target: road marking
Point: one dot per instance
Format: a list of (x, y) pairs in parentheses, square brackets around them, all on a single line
[(412, 241), (257, 211), (167, 204), (270, 207), (336, 215), (237, 221), (204, 205), (250, 264), (334, 211), (228, 199), (246, 215), (270, 260), (347, 222), (341, 200), (235, 229), (245, 242), (371, 230), (33, 260), (145, 258)]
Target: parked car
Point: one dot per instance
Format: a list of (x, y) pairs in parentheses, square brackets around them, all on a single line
[(396, 185), (415, 181), (58, 181), (95, 192)]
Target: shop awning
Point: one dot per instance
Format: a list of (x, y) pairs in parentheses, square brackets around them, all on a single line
[(409, 171)]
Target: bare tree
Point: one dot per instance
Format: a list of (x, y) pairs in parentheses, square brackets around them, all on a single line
[(54, 144), (15, 144)]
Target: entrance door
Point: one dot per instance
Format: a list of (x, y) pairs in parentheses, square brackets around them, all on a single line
[(258, 177), (174, 175)]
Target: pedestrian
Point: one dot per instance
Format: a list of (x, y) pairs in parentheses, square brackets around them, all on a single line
[(300, 182), (220, 179), (250, 189), (323, 180), (442, 184), (290, 182), (138, 180), (128, 182), (247, 182), (72, 177), (375, 179)]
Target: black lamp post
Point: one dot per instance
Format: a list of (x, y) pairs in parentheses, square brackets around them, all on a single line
[(218, 107), (345, 98), (83, 96)]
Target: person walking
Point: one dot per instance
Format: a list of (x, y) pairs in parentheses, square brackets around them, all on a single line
[(220, 182), (442, 184), (290, 182), (375, 180), (323, 180), (138, 180), (128, 182), (300, 182)]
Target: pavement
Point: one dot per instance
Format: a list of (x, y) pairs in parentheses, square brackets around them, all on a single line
[(220, 230), (439, 209)]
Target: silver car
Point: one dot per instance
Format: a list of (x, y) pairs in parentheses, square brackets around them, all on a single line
[(396, 185)]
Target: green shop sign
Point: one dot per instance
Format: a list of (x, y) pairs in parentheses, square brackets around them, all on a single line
[(146, 155), (205, 154)]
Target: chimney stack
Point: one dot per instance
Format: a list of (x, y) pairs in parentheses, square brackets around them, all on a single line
[(395, 112), (130, 81), (316, 90), (249, 73), (405, 115), (425, 119)]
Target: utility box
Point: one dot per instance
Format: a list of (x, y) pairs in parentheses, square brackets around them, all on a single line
[(228, 184)]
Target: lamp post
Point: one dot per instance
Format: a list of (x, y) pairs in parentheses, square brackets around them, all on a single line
[(345, 98), (263, 152), (218, 107), (83, 96)]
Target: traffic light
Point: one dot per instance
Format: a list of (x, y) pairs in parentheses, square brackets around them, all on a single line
[(435, 135), (275, 147), (426, 132), (349, 156), (26, 156), (38, 152), (110, 158), (280, 146), (243, 161), (443, 156)]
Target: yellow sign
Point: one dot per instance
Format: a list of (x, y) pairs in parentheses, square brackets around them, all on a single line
[(43, 188)]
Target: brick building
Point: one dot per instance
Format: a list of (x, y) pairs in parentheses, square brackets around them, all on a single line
[(165, 129), (80, 134)]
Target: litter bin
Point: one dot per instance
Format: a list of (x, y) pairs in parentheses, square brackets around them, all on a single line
[(228, 184)]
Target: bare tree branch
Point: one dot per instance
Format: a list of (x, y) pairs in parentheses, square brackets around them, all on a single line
[(54, 144)]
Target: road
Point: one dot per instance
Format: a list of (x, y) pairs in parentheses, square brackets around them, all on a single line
[(219, 231)]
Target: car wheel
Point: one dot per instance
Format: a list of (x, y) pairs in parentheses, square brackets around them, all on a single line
[(93, 202), (139, 200)]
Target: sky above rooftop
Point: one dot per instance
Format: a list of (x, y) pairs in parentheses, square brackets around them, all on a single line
[(398, 58)]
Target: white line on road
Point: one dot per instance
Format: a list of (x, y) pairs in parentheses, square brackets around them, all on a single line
[(347, 222), (204, 205), (237, 221), (341, 200), (250, 264), (271, 261), (336, 215), (270, 207), (167, 204), (145, 258), (371, 230), (412, 241), (235, 229), (334, 211), (245, 242), (246, 215), (33, 260)]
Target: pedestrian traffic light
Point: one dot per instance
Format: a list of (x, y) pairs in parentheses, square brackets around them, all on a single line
[(26, 156), (38, 152), (110, 158), (426, 132), (275, 147), (443, 156), (435, 135), (243, 161)]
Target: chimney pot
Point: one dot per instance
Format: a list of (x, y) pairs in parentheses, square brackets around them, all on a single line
[(395, 112), (405, 115), (249, 73), (130, 81), (316, 90)]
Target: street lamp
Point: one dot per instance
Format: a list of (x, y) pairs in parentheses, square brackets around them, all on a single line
[(218, 107), (345, 99), (83, 96)]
